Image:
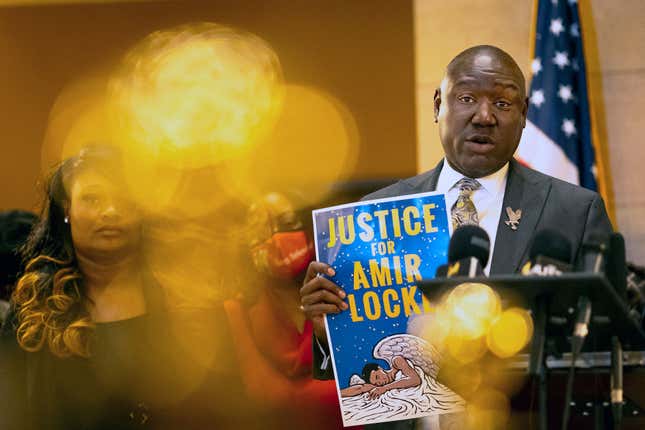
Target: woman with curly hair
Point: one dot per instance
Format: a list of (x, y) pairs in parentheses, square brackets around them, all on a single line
[(77, 349), (82, 263), (93, 340)]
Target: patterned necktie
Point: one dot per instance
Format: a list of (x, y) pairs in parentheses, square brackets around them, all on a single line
[(464, 211)]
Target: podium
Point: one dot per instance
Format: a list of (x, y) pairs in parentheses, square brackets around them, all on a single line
[(553, 301)]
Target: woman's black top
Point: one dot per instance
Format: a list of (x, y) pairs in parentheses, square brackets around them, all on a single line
[(135, 378)]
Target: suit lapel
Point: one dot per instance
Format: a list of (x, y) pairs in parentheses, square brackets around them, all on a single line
[(525, 192), (430, 184)]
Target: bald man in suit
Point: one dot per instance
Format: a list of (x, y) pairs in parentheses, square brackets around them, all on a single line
[(481, 110)]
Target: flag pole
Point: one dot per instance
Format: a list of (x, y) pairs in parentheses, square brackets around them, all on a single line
[(596, 107)]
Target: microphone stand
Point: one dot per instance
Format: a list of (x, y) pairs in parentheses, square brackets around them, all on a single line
[(616, 382), (580, 332), (537, 365)]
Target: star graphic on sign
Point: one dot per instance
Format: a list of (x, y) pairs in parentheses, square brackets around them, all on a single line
[(561, 59), (564, 92), (536, 66), (568, 127), (574, 30), (537, 98), (556, 26)]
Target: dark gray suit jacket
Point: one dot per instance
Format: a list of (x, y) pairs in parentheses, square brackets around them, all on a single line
[(546, 202)]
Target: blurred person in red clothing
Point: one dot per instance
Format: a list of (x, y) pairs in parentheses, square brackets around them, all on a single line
[(272, 339)]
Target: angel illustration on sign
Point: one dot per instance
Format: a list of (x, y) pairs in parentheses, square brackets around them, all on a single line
[(378, 380), (407, 389)]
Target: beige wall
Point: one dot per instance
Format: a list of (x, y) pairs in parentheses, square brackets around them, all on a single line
[(442, 29)]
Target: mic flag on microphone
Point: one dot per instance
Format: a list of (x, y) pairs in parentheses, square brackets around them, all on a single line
[(468, 253), (550, 254)]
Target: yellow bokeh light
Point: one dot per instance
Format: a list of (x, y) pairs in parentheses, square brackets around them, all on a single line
[(510, 332), (198, 94), (465, 350), (189, 104), (313, 145), (185, 108), (468, 323), (471, 308)]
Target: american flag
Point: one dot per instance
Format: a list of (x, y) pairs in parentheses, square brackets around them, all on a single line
[(557, 139)]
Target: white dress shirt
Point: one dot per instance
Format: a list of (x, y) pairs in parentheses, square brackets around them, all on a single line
[(488, 199)]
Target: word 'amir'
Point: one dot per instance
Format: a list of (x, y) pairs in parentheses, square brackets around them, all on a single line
[(410, 221), (390, 302)]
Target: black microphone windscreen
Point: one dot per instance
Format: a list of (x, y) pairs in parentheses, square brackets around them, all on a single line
[(552, 244), (616, 266), (469, 241)]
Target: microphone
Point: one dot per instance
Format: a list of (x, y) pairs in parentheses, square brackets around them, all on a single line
[(616, 265), (468, 253), (550, 254), (607, 256), (592, 256), (616, 381)]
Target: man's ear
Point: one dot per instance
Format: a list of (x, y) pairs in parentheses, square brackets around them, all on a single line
[(437, 103), (525, 110)]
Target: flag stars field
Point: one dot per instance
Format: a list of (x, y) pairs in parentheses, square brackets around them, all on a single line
[(569, 127), (536, 66), (537, 98), (574, 30), (564, 92), (557, 139), (556, 26), (561, 59)]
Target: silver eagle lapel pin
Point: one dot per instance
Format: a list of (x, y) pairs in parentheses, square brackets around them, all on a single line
[(513, 218)]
